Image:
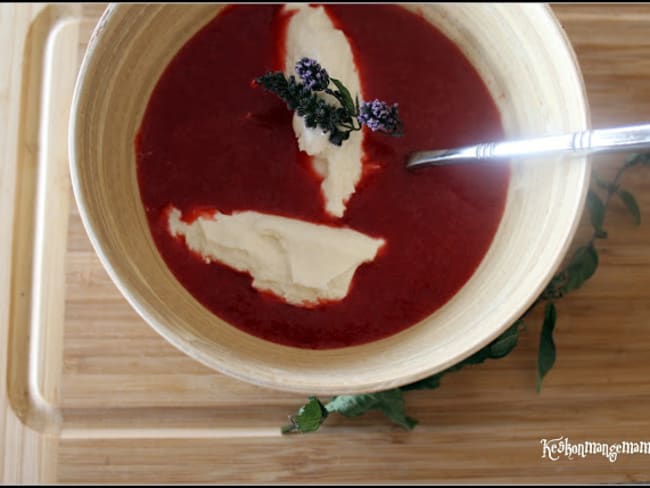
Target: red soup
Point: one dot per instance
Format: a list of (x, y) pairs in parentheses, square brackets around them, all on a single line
[(210, 140)]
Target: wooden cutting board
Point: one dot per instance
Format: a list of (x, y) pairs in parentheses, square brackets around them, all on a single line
[(91, 394)]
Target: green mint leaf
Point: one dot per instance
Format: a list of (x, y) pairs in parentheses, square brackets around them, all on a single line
[(636, 158), (630, 202), (506, 342), (309, 417), (337, 137), (632, 159), (345, 97), (546, 352), (557, 286), (596, 211), (389, 402), (428, 383), (498, 348), (582, 266), (605, 185)]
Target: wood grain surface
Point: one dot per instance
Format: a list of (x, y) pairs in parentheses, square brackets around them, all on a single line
[(123, 406)]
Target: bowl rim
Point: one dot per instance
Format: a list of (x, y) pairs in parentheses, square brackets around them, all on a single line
[(268, 380)]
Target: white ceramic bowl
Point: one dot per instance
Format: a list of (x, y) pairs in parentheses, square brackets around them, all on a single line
[(521, 52)]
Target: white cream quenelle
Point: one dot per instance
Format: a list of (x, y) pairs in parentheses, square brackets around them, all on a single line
[(301, 262), (311, 34)]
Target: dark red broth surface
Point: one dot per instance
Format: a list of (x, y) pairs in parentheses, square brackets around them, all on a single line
[(209, 140)]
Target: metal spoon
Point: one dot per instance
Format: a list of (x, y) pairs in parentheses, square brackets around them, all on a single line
[(584, 142)]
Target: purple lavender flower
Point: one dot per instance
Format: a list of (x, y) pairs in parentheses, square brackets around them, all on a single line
[(378, 115), (312, 74)]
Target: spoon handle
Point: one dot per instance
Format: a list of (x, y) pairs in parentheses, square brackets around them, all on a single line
[(585, 142)]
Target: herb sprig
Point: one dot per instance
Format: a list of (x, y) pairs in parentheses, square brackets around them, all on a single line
[(579, 269), (306, 99)]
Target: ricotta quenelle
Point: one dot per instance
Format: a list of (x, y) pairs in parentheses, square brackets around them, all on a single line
[(301, 262), (311, 34)]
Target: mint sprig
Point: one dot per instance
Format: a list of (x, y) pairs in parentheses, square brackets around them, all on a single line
[(581, 266), (305, 98), (311, 415)]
